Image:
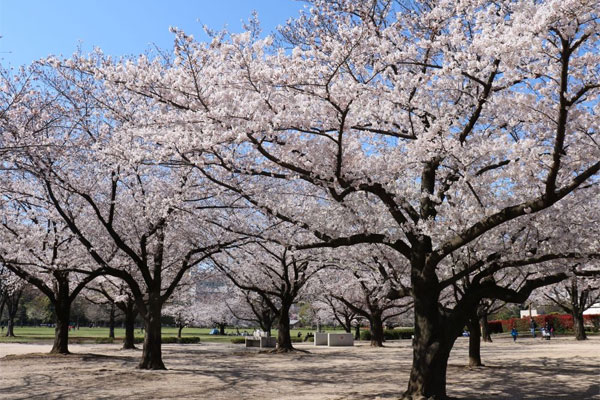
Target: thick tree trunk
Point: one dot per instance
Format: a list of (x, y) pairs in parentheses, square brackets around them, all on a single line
[(284, 341), (62, 310), (111, 321), (267, 327), (221, 329), (179, 329), (347, 324), (152, 353), (474, 342), (578, 326), (12, 305), (265, 321), (130, 313), (485, 329), (431, 350), (434, 338), (376, 327), (10, 326), (357, 331)]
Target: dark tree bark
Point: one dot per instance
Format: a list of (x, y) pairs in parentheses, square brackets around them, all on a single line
[(474, 342), (179, 329), (485, 329), (578, 326), (437, 328), (111, 321), (10, 327), (265, 318), (221, 328), (347, 324), (61, 331), (2, 304), (267, 326), (357, 331), (376, 328), (152, 352), (62, 308), (284, 340), (12, 306), (130, 314), (433, 341)]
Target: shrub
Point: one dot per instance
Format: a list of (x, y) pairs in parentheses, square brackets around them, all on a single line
[(561, 323), (242, 340), (390, 334), (592, 321), (107, 340), (495, 327), (182, 340)]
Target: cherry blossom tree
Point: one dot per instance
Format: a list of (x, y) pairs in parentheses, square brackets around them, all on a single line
[(421, 126), (574, 296), (249, 308), (210, 306), (6, 283), (11, 292), (181, 305), (138, 220), (45, 254), (362, 288), (115, 292), (42, 251), (277, 274), (479, 329), (331, 309)]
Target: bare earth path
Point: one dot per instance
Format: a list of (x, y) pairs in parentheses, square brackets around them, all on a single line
[(529, 369)]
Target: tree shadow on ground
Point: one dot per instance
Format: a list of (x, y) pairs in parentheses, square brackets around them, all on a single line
[(546, 379), (223, 372)]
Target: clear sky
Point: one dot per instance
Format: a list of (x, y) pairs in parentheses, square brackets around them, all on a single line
[(32, 29)]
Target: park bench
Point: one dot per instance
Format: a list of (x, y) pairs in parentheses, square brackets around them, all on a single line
[(261, 340)]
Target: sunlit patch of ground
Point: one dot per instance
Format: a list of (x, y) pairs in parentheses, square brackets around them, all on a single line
[(529, 369)]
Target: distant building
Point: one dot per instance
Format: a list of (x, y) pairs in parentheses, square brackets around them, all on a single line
[(525, 313), (593, 310)]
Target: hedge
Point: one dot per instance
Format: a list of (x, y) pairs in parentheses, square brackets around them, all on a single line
[(561, 323), (495, 327), (181, 340), (390, 334), (592, 321), (242, 340), (165, 340)]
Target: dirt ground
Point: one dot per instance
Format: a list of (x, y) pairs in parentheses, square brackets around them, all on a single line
[(529, 369)]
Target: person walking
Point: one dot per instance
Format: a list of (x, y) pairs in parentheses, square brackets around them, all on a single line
[(514, 333)]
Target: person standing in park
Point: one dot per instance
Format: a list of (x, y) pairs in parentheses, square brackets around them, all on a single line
[(514, 333), (532, 326)]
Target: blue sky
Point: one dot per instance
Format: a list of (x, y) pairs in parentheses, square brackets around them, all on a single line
[(32, 29)]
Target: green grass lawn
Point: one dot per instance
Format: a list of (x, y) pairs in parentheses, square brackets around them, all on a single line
[(30, 334)]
